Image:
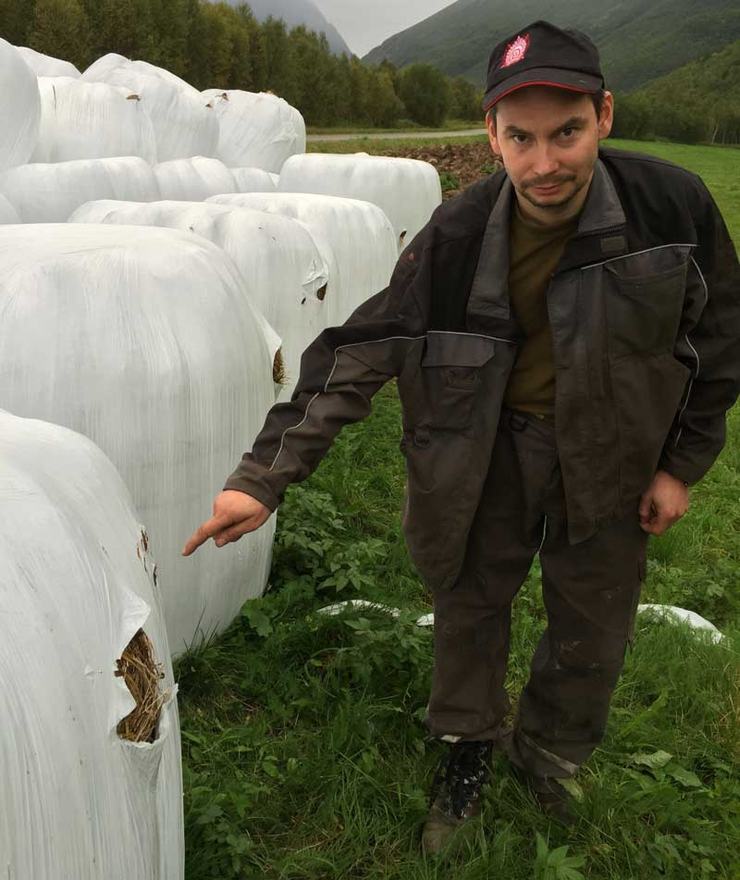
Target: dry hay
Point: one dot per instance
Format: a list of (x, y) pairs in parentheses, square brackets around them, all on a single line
[(279, 375), (139, 669)]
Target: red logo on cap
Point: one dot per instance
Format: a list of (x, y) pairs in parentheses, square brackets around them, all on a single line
[(516, 51)]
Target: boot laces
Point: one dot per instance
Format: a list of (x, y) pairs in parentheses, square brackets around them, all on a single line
[(460, 775)]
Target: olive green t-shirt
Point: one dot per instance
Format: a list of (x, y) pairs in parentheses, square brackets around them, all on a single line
[(534, 253)]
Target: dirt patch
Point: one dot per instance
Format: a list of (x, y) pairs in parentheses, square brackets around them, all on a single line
[(458, 165)]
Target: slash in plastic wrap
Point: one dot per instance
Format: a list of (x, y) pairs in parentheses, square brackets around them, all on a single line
[(408, 190), (76, 586), (49, 192), (257, 129), (21, 108), (285, 274), (193, 180), (183, 123), (91, 120), (143, 340)]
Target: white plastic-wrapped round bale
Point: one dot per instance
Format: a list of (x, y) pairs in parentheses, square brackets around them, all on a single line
[(49, 192), (257, 129), (143, 340), (355, 238), (84, 794), (21, 107), (285, 274), (193, 180), (8, 214), (91, 120), (47, 65), (254, 180), (406, 189), (183, 123)]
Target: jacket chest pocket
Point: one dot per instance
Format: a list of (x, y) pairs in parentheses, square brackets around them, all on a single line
[(644, 301), (450, 376)]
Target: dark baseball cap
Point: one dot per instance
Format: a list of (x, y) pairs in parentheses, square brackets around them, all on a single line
[(543, 55)]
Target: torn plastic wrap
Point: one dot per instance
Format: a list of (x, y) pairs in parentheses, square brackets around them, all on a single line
[(183, 123), (143, 340), (49, 192), (256, 129), (254, 180), (193, 180), (285, 275), (47, 65), (76, 586), (355, 238), (406, 189), (91, 120), (21, 108)]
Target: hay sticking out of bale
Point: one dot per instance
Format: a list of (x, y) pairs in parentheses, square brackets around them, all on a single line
[(139, 669), (278, 368)]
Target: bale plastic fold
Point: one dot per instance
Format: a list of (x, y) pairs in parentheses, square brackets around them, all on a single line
[(184, 125), (91, 120), (21, 108), (254, 180), (8, 214), (193, 180), (49, 192), (143, 340), (76, 585), (256, 129), (355, 238), (408, 190), (283, 270)]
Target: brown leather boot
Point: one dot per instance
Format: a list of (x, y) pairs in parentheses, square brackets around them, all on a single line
[(456, 793)]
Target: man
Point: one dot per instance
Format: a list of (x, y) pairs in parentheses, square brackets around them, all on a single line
[(566, 339)]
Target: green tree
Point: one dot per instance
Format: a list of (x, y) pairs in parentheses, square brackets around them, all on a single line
[(60, 28), (425, 93), (465, 99), (16, 17)]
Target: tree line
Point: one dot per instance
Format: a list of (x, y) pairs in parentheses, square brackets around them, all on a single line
[(214, 45)]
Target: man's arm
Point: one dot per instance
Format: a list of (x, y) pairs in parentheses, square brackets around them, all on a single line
[(709, 344), (340, 372)]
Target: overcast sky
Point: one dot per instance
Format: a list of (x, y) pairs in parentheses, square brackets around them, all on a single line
[(364, 24)]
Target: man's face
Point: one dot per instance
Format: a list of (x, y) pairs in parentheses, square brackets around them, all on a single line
[(548, 140)]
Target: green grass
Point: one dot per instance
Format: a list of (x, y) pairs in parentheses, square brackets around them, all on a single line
[(304, 752)]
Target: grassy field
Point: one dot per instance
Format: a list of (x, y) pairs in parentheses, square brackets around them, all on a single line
[(304, 752)]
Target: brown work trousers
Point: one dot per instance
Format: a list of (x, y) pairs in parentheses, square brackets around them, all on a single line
[(590, 592)]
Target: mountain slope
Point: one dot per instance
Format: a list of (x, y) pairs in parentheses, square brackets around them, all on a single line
[(638, 41), (295, 12)]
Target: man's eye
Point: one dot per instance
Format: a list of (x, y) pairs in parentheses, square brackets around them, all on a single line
[(520, 138), (569, 131)]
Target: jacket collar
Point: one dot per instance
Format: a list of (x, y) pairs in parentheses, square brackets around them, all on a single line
[(600, 235)]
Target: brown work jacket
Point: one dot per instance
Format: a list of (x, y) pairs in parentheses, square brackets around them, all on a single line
[(645, 316)]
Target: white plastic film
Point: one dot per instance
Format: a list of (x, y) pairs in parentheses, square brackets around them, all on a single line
[(91, 120), (285, 275), (21, 107), (76, 585), (8, 214), (254, 180), (193, 180), (47, 65), (183, 123), (355, 238), (143, 340), (257, 129), (406, 189), (49, 192)]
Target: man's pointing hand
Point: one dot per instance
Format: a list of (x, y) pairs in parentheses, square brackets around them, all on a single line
[(234, 514)]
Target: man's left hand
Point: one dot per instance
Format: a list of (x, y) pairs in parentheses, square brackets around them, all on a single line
[(663, 504)]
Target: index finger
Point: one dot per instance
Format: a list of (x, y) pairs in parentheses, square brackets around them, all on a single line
[(208, 529)]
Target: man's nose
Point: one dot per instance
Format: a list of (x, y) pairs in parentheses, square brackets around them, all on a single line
[(545, 161)]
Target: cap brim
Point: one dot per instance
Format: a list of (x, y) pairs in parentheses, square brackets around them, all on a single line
[(570, 80)]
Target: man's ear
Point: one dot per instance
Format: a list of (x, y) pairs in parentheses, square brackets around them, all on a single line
[(492, 138), (606, 117)]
